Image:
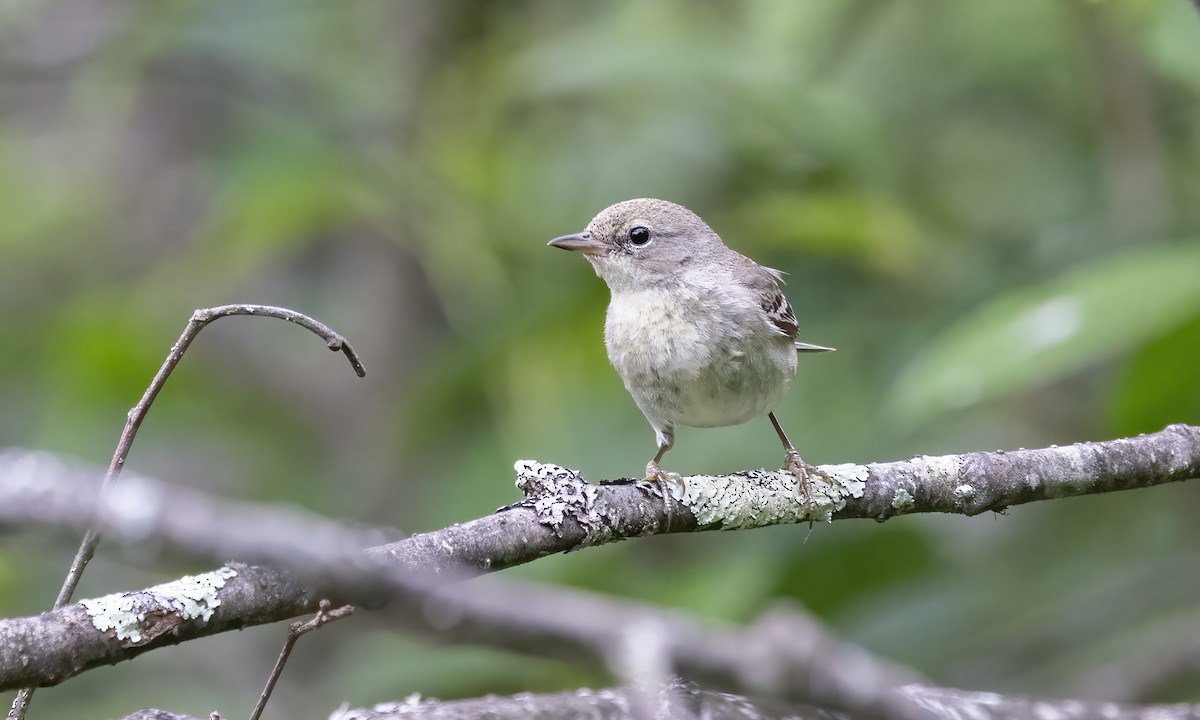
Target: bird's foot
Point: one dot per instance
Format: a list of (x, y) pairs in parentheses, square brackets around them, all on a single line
[(661, 478), (802, 471)]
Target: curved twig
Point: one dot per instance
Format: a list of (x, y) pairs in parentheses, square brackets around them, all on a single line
[(200, 318), (324, 616)]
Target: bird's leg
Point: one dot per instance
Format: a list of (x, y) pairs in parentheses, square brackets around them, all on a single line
[(799, 469), (660, 477), (657, 475), (665, 437)]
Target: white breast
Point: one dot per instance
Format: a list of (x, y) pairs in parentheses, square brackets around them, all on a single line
[(687, 360)]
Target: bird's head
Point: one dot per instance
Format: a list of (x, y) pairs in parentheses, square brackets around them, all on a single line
[(638, 243)]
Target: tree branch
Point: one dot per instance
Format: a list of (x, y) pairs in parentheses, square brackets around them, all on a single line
[(562, 512)]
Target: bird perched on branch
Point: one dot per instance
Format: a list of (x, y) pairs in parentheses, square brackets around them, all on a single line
[(701, 335)]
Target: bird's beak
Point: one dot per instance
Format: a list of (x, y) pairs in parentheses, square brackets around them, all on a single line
[(582, 242)]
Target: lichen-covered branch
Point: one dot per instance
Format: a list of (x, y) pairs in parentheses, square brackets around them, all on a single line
[(48, 648), (562, 512), (967, 484)]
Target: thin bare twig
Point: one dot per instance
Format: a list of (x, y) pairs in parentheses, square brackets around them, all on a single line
[(323, 617), (199, 320)]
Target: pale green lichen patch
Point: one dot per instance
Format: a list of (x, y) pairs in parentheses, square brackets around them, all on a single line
[(851, 478), (189, 597), (934, 471), (760, 497), (902, 500)]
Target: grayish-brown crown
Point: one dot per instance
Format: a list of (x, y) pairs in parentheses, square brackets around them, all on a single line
[(674, 229)]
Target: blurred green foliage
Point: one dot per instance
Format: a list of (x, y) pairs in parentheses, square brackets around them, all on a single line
[(991, 209)]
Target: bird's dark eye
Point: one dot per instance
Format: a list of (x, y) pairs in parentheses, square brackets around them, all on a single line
[(639, 236)]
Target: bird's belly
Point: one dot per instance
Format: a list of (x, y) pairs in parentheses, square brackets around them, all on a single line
[(681, 370), (721, 396)]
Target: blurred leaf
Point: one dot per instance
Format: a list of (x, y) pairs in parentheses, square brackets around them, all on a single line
[(1031, 336), (826, 583), (872, 230), (283, 188), (1151, 392)]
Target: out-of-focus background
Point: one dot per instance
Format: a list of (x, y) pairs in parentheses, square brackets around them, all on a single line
[(991, 209)]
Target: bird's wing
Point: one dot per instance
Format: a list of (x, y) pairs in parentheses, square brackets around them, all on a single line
[(765, 282), (780, 315), (779, 311)]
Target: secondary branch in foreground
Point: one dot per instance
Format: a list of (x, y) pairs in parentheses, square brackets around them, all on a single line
[(684, 701), (805, 660), (562, 513)]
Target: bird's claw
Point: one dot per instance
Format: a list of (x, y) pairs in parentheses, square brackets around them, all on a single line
[(661, 477), (802, 471)]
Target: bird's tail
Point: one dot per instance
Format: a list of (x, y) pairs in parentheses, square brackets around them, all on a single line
[(808, 347)]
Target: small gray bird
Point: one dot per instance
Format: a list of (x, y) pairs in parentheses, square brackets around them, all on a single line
[(701, 335)]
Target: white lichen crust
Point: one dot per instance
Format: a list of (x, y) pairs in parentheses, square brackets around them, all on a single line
[(902, 500), (556, 493), (964, 496), (762, 497), (125, 614), (935, 471)]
